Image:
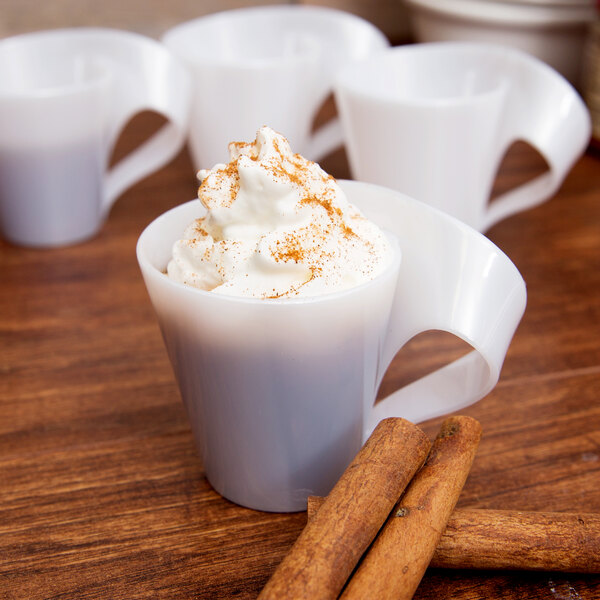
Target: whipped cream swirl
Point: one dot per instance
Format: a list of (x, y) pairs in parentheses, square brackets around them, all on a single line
[(276, 226)]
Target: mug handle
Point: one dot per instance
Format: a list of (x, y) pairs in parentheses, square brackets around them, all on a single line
[(474, 292), (357, 45), (544, 110), (326, 139), (145, 77)]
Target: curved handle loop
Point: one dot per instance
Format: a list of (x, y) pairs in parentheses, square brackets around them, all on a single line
[(326, 139), (145, 76), (458, 384), (544, 110), (452, 279), (357, 41)]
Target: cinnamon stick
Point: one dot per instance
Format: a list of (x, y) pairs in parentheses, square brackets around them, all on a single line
[(398, 558), (478, 538), (537, 541), (326, 552)]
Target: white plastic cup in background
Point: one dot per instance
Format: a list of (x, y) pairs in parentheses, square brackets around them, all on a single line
[(435, 120), (65, 95), (267, 65)]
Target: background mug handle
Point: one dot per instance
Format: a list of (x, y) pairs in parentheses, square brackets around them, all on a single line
[(145, 76), (544, 110), (361, 40), (326, 139), (452, 279)]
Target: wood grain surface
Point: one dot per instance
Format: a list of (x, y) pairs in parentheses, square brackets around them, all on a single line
[(102, 494)]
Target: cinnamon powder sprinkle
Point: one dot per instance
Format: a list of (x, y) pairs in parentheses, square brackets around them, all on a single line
[(288, 249), (225, 179)]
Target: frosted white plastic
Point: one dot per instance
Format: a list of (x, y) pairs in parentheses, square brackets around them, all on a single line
[(65, 95), (267, 65), (435, 120), (280, 393)]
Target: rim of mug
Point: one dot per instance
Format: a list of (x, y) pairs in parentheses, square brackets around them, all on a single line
[(309, 55), (524, 14), (99, 80), (168, 37), (349, 78), (277, 8), (39, 37), (147, 265), (80, 32)]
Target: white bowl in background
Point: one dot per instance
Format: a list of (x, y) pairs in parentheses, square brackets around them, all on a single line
[(552, 30)]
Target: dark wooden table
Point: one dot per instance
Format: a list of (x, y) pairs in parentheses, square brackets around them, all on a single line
[(102, 494)]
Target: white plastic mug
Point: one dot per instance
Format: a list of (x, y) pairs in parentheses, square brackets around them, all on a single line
[(435, 120), (280, 393), (65, 96), (267, 65)]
